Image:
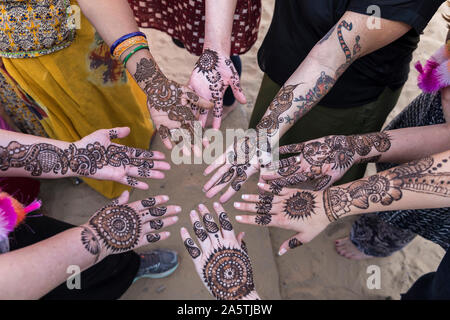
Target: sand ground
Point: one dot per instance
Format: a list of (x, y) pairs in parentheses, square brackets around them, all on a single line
[(314, 271)]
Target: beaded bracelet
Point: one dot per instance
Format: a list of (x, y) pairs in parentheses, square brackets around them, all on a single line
[(125, 37), (127, 44), (132, 53)]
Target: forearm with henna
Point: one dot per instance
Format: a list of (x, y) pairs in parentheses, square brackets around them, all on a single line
[(416, 185), (53, 159)]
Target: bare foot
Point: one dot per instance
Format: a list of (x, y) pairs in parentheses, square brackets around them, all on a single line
[(348, 250), (226, 112)]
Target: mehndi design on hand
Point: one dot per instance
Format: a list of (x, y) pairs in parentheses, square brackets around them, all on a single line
[(168, 99), (326, 159), (212, 75), (387, 187), (120, 227), (223, 265)]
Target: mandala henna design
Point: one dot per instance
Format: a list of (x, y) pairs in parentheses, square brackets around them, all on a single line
[(208, 61), (208, 65), (386, 187), (263, 219), (150, 202), (118, 227), (153, 237), (90, 242), (294, 243), (225, 223), (209, 223), (300, 205), (228, 274), (156, 224), (199, 231), (193, 251)]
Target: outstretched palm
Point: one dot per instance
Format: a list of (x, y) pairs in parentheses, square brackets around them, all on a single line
[(95, 156), (212, 75)]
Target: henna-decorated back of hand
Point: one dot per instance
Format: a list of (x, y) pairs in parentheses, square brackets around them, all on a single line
[(95, 156), (212, 75), (120, 227), (169, 103), (221, 260), (324, 161)]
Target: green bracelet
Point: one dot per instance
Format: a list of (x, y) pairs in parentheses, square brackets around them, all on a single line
[(141, 47)]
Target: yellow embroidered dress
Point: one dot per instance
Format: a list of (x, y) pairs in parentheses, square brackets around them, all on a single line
[(76, 87)]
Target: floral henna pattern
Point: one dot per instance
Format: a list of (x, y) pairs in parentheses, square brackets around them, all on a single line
[(208, 62), (263, 219), (132, 182), (165, 96), (387, 187), (45, 158), (338, 151), (228, 274), (113, 134), (265, 204), (208, 66), (300, 205)]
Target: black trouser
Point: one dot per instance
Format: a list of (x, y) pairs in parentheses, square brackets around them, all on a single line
[(108, 279), (432, 286)]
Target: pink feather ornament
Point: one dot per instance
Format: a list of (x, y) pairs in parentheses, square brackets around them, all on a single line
[(12, 213), (435, 75), (8, 217)]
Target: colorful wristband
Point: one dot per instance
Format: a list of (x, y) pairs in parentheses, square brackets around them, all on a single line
[(125, 37), (127, 44), (132, 53)]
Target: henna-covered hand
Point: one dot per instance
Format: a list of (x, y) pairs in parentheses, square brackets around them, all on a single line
[(94, 156), (324, 161), (292, 209), (221, 261), (212, 75), (120, 227), (169, 103), (237, 164), (309, 212)]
